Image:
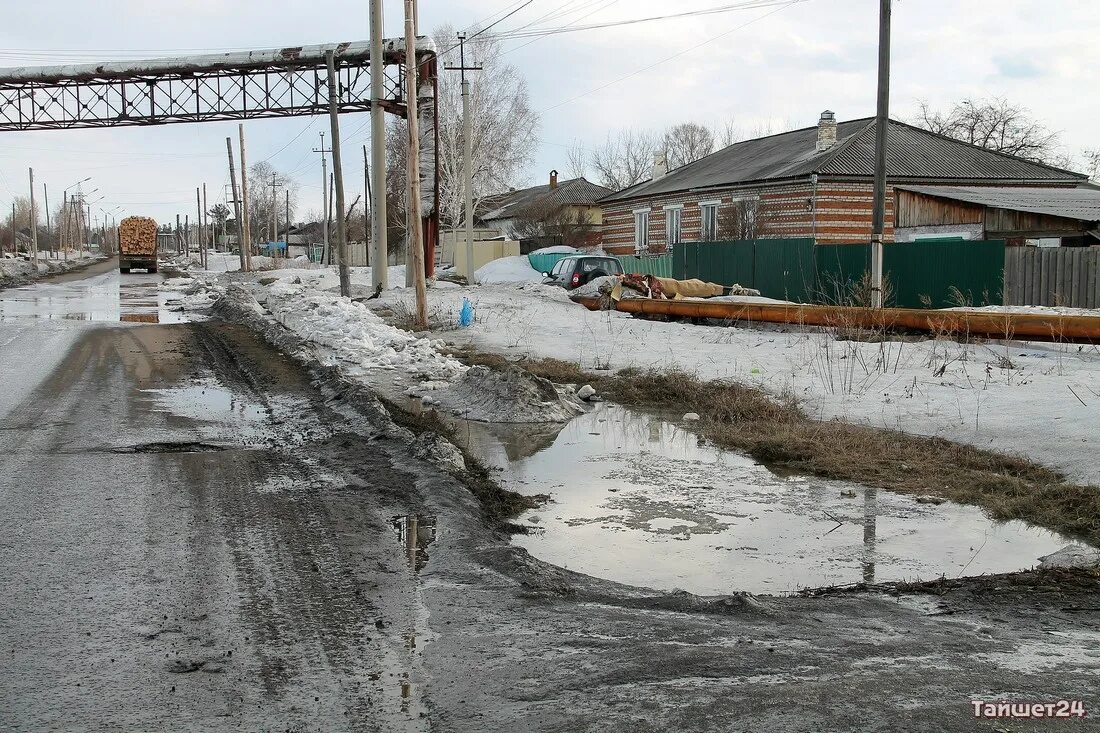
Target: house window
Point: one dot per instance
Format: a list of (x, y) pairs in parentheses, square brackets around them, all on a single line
[(641, 230), (709, 211), (672, 225)]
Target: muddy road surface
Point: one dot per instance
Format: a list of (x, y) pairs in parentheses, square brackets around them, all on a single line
[(200, 534)]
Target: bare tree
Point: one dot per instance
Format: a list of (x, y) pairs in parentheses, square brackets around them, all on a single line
[(1092, 163), (569, 225), (730, 133), (267, 202), (995, 124), (687, 142), (740, 220), (505, 127), (577, 158), (219, 214), (625, 159)]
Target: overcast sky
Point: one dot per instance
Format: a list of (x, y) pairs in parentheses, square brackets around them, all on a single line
[(782, 64)]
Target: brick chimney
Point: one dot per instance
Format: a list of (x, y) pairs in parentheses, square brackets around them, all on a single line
[(660, 165), (553, 180), (826, 131)]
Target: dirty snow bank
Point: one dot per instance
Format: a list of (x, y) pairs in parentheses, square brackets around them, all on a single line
[(351, 333), (20, 271)]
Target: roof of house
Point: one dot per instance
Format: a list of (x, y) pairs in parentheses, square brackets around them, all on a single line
[(574, 192), (911, 153), (1071, 203)]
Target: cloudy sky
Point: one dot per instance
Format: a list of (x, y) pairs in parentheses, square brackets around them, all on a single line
[(783, 64)]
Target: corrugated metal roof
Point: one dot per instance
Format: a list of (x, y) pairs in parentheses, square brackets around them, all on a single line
[(574, 192), (1070, 203), (911, 153)]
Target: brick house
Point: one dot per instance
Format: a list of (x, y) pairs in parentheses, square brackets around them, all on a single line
[(814, 182)]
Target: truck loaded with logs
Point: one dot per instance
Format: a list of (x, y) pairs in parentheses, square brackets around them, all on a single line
[(137, 244)]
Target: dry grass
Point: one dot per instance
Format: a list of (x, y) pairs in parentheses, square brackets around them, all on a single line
[(777, 433)]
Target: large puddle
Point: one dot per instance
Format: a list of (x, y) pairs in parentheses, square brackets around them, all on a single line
[(133, 298), (639, 500)]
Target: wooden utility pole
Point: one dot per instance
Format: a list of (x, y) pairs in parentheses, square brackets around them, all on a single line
[(379, 248), (416, 235), (366, 209), (274, 208), (244, 202), (882, 122), (34, 223), (467, 153), (338, 174), (287, 192), (236, 204)]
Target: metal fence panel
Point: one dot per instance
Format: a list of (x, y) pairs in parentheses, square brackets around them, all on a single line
[(659, 265)]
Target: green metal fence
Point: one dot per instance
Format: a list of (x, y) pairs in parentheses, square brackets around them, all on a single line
[(935, 274), (659, 265), (925, 274)]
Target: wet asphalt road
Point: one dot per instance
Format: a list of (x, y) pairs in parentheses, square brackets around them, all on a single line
[(167, 561), (197, 534)]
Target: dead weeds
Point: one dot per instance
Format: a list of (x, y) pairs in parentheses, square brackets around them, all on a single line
[(777, 433)]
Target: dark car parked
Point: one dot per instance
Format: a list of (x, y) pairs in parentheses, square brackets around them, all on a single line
[(572, 272)]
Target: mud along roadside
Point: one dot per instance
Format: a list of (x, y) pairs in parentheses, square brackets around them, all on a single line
[(556, 650)]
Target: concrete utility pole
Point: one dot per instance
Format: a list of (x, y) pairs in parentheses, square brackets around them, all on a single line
[(416, 235), (287, 192), (34, 223), (274, 208), (207, 234), (198, 227), (338, 174), (326, 256), (244, 201), (379, 248), (236, 204), (46, 203), (467, 153), (882, 122)]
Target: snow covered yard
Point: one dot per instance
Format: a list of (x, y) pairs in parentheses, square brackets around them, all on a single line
[(1041, 401)]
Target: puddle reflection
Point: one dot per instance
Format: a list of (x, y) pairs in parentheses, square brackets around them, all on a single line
[(107, 297), (639, 500), (415, 532)]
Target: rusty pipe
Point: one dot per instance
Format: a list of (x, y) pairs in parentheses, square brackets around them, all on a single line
[(986, 324)]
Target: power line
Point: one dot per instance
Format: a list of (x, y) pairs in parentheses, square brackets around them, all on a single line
[(634, 73)]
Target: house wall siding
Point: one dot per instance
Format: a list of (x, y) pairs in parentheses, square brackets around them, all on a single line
[(843, 214)]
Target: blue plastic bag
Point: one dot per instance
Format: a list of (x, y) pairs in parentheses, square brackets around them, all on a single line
[(466, 315)]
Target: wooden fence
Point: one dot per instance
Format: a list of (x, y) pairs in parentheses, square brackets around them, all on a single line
[(1067, 276)]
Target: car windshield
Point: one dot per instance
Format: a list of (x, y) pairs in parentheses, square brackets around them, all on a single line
[(558, 267)]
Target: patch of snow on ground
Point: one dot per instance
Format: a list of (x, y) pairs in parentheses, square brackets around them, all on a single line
[(507, 270)]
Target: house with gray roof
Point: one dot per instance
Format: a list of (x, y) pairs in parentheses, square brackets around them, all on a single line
[(814, 182), (561, 205)]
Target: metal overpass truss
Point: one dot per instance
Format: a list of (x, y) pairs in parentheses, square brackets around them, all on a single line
[(283, 82), (235, 86)]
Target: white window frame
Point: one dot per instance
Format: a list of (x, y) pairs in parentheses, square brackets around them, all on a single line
[(674, 212), (641, 230), (704, 208)]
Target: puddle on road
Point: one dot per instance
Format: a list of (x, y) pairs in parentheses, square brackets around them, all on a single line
[(638, 500), (227, 416), (107, 297), (415, 532)]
